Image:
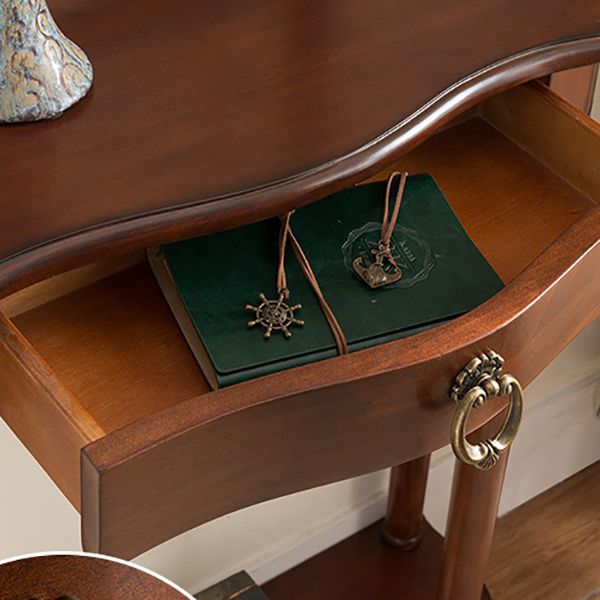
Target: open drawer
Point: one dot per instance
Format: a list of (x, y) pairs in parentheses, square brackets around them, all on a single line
[(99, 384)]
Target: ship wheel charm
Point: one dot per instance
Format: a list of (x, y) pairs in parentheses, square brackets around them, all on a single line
[(275, 315)]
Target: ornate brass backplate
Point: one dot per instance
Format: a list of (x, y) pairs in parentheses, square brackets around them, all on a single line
[(480, 380)]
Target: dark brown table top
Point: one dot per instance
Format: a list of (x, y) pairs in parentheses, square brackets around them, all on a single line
[(209, 114)]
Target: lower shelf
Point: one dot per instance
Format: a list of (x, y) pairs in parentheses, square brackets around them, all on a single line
[(362, 567)]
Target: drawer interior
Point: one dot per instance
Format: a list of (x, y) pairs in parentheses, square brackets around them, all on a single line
[(109, 339)]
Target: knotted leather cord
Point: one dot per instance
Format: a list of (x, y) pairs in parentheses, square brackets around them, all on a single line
[(286, 233), (389, 223), (336, 328), (387, 228), (283, 236)]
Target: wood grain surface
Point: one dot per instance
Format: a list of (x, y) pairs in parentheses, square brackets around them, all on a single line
[(81, 577), (403, 525), (117, 347), (560, 136), (204, 116), (44, 415), (577, 86), (471, 522), (549, 547)]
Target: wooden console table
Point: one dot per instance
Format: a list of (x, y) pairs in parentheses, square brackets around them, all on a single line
[(208, 115)]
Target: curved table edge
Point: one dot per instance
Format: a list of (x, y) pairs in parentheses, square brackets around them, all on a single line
[(190, 219)]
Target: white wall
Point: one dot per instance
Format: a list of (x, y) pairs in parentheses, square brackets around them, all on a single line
[(596, 106), (559, 437)]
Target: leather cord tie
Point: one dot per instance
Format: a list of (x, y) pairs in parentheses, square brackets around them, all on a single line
[(388, 222), (286, 234)]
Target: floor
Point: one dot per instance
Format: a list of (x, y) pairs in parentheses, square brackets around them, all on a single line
[(549, 548)]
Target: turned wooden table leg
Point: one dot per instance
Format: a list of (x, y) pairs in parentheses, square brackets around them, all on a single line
[(403, 525), (470, 528)]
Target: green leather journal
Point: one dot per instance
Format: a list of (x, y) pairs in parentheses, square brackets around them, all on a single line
[(209, 280)]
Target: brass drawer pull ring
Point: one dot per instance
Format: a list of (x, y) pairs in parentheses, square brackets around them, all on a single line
[(479, 381)]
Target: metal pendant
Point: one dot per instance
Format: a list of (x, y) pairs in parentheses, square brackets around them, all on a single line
[(383, 271), (275, 315)]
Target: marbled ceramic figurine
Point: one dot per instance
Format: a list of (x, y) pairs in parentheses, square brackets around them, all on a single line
[(42, 72)]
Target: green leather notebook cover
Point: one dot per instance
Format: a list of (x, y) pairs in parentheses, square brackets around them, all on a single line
[(212, 278)]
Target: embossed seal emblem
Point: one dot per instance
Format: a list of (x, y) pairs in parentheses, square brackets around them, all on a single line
[(412, 255)]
